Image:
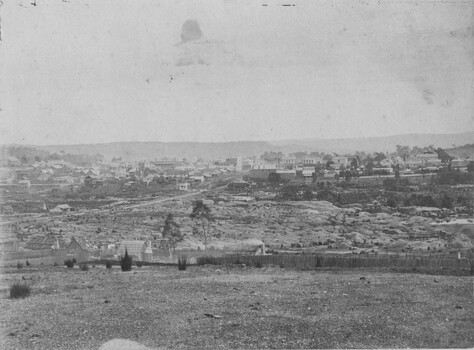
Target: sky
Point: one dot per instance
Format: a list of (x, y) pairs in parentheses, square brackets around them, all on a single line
[(83, 71)]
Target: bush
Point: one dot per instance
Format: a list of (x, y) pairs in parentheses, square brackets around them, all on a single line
[(70, 263), (108, 265), (258, 264), (19, 290), (392, 202), (182, 262), (84, 267), (19, 266), (139, 263), (126, 262), (74, 260), (28, 263)]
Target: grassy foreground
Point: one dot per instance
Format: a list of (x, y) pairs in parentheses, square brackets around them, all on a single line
[(222, 307)]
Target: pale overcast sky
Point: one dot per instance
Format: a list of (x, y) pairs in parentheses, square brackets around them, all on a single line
[(88, 71)]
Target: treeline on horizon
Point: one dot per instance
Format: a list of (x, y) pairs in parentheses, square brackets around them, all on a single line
[(30, 155)]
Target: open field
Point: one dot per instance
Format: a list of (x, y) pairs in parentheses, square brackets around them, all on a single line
[(235, 307)]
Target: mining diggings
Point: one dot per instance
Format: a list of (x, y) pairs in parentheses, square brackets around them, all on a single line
[(236, 307)]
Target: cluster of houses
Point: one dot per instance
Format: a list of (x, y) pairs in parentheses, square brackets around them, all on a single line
[(288, 168), (79, 248), (62, 174)]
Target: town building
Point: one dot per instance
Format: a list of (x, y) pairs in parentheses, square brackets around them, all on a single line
[(138, 250)]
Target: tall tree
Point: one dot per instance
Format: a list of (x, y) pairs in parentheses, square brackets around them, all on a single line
[(272, 156), (202, 215), (379, 157), (443, 155), (299, 155), (403, 151), (172, 232)]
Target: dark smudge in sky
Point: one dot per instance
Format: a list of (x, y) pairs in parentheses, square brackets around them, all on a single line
[(190, 31)]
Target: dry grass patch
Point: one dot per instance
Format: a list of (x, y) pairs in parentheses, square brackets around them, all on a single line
[(233, 307)]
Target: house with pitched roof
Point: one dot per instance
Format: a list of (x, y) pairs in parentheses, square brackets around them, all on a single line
[(138, 250), (80, 248), (13, 162), (45, 242), (78, 245), (61, 208)]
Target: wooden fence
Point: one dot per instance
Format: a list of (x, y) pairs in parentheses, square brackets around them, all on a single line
[(307, 261), (35, 257)]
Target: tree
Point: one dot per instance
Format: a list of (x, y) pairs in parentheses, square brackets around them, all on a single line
[(316, 154), (299, 155), (272, 156), (126, 262), (369, 163), (347, 175), (289, 193), (379, 157), (447, 202), (202, 215), (355, 162), (172, 232), (470, 167), (443, 155), (392, 202), (403, 151), (327, 157), (308, 195), (274, 178)]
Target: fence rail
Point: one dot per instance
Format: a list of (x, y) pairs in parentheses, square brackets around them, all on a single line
[(349, 261), (35, 257)]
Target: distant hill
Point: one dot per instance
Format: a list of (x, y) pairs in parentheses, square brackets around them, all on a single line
[(158, 150), (377, 144), (466, 151), (223, 150)]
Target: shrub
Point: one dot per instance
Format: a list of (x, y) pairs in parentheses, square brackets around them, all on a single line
[(84, 267), (108, 265), (126, 262), (19, 290), (55, 264), (19, 266), (74, 260), (70, 263), (182, 262), (258, 264), (27, 263), (139, 263), (392, 202)]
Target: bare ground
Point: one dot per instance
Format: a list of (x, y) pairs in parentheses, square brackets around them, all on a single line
[(222, 307)]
